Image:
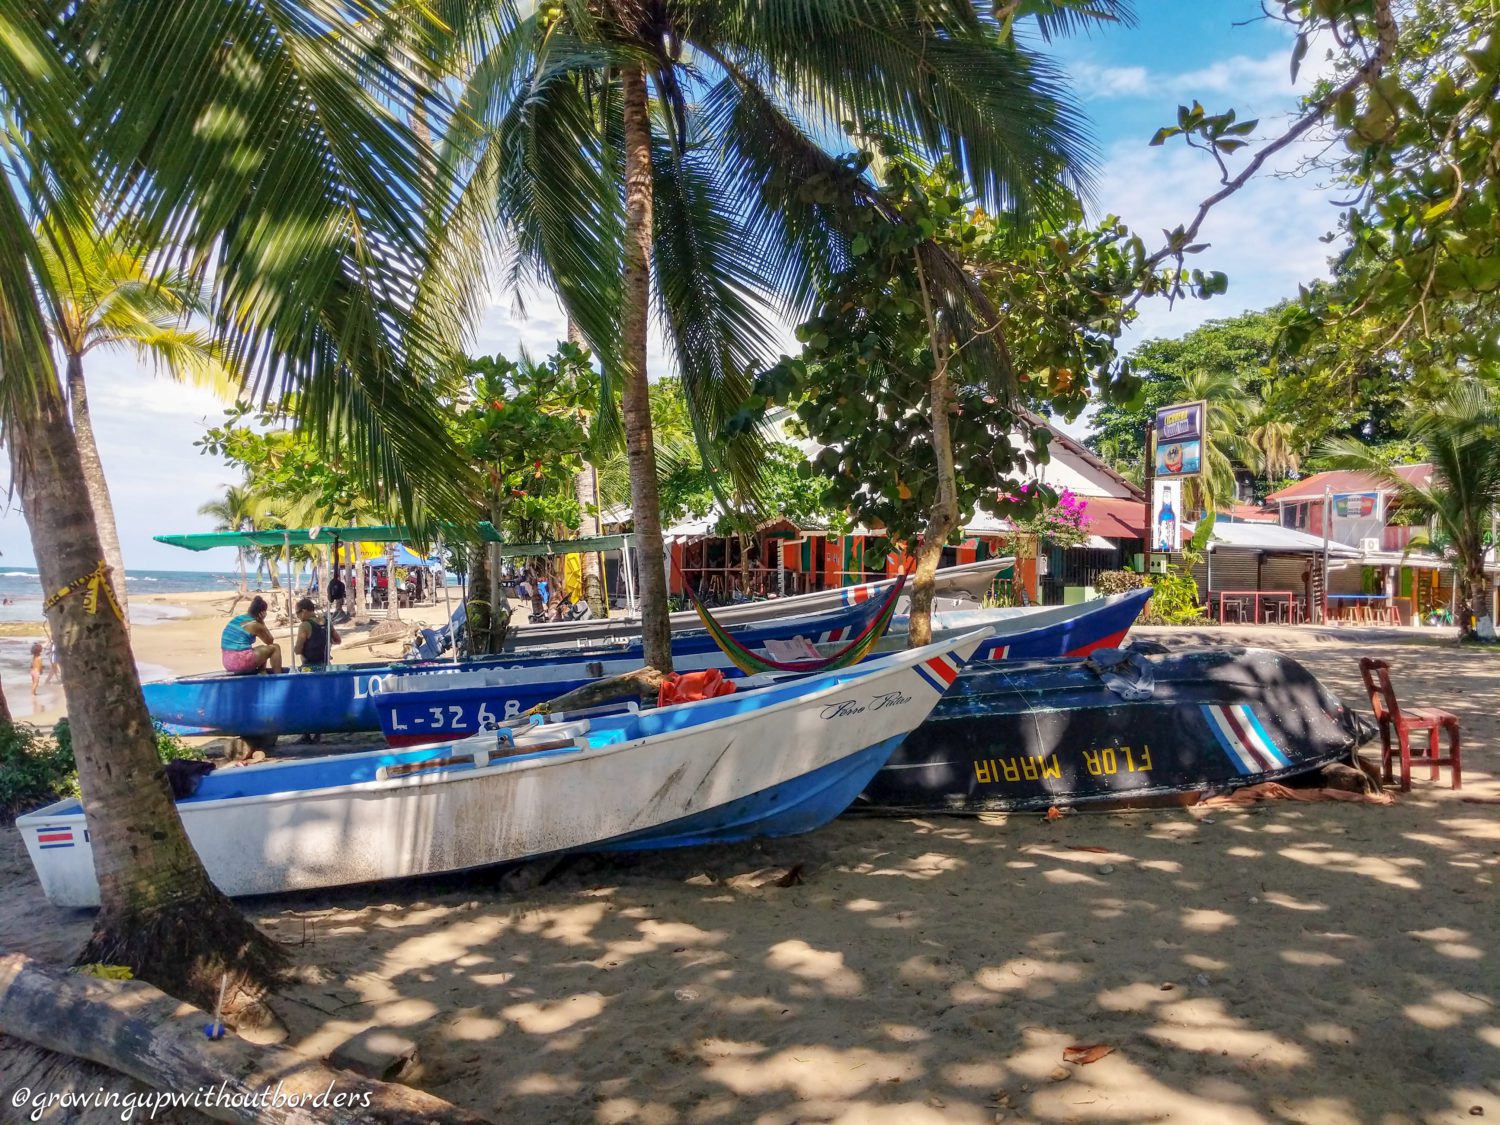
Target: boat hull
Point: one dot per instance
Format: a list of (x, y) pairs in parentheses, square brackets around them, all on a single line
[(419, 709), (1037, 734), (343, 698), (780, 760), (953, 587)]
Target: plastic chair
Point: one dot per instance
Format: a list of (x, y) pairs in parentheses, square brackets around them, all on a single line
[(1404, 722)]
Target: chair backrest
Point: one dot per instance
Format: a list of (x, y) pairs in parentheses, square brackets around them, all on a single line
[(1377, 677)]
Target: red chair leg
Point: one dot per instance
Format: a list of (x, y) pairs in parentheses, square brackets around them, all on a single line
[(1455, 752), (1405, 740), (1432, 750)]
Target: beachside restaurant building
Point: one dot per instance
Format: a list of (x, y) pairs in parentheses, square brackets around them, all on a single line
[(786, 558), (1391, 581)]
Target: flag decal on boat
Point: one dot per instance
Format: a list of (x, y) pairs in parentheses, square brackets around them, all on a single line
[(941, 671), (834, 635), (1243, 738), (54, 838), (857, 595)]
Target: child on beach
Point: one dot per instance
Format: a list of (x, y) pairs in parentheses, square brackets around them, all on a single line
[(36, 666)]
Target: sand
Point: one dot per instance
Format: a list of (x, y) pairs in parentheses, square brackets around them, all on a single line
[(1306, 963)]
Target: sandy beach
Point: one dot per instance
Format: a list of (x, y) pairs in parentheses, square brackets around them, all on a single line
[(1324, 963)]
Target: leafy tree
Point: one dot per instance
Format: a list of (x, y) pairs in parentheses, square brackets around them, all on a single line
[(698, 203), (112, 293), (1460, 436), (893, 378), (265, 144)]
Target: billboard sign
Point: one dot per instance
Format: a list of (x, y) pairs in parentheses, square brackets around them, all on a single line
[(1179, 439), (1166, 516), (1356, 505)]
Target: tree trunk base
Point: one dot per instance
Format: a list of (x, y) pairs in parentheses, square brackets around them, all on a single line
[(187, 948)]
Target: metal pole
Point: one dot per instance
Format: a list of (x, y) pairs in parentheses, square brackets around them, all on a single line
[(1150, 474), (291, 652), (463, 596), (448, 605), (328, 612), (1327, 526)]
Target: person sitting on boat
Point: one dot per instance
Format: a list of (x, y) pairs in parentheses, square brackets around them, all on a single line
[(314, 636), (240, 651)]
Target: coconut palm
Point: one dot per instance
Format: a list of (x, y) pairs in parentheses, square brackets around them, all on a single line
[(266, 144), (670, 156), (109, 293), (1460, 434), (236, 510)]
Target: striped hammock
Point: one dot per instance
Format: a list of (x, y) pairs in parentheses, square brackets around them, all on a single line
[(752, 663)]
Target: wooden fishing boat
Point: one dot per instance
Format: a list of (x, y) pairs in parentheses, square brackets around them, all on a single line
[(419, 708), (954, 586), (1035, 734), (774, 761), (341, 697)]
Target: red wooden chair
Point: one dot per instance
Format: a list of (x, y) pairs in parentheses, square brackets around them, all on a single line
[(1403, 722)]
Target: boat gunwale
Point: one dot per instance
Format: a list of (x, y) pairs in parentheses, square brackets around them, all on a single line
[(894, 663)]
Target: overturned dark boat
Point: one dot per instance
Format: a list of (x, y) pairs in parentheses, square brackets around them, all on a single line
[(1119, 727)]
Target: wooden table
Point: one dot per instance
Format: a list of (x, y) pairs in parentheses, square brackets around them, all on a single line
[(1255, 596)]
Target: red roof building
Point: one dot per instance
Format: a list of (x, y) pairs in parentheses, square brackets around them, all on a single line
[(1362, 506)]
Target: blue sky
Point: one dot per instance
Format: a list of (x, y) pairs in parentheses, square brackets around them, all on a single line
[(1130, 82)]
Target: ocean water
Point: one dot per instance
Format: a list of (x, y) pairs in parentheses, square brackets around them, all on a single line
[(21, 587)]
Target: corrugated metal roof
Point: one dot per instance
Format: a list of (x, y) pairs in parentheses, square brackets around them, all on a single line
[(1347, 480)]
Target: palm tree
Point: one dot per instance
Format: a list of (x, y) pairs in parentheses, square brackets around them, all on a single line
[(1274, 438), (669, 156), (1461, 436), (265, 144), (236, 510), (107, 292)]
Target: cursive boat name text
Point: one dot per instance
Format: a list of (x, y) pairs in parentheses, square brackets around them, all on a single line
[(847, 707)]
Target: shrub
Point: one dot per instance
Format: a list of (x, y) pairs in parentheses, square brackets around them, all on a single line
[(36, 770), (1119, 581), (1174, 600)]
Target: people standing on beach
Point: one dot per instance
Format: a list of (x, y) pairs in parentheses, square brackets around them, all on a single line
[(54, 669), (336, 595), (238, 648), (36, 666)]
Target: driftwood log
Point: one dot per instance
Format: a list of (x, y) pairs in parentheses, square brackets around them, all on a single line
[(643, 683), (135, 1029)]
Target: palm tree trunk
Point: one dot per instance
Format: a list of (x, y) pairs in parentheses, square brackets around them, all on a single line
[(244, 575), (94, 482), (159, 912), (640, 449), (392, 589), (480, 611)]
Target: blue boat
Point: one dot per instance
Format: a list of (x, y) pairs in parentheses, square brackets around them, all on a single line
[(772, 762), (426, 708), (342, 697)]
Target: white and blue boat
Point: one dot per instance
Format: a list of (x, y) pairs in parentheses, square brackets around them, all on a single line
[(419, 708), (772, 761), (342, 697)]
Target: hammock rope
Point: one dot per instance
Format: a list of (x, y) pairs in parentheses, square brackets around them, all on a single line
[(752, 663)]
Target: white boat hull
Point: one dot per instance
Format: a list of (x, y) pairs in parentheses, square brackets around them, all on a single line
[(277, 839)]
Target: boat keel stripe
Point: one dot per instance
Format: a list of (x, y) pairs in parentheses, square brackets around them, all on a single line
[(1242, 731), (1262, 739), (1228, 742)]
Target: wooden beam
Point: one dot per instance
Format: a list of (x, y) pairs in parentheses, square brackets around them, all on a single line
[(137, 1030)]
